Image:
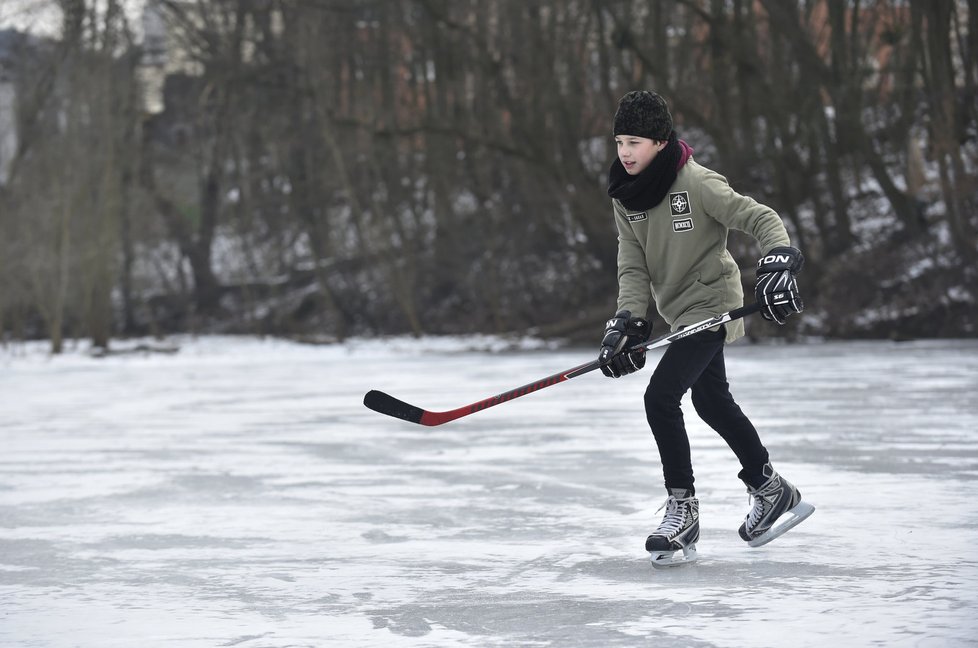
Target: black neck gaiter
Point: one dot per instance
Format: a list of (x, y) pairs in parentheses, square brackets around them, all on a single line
[(648, 188)]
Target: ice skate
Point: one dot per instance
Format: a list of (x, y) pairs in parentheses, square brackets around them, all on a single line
[(678, 531), (777, 500)]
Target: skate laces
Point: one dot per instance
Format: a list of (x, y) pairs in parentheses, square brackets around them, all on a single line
[(756, 495), (757, 511), (674, 518)]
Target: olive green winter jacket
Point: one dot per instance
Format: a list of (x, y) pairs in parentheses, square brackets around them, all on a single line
[(676, 252)]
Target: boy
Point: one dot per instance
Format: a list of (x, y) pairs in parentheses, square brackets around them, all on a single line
[(673, 216)]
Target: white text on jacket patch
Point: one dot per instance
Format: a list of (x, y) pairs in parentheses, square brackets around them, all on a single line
[(679, 203), (634, 218), (682, 225)]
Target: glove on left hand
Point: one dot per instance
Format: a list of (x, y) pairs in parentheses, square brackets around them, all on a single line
[(776, 288), (622, 332)]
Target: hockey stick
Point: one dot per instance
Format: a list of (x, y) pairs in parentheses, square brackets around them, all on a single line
[(378, 401)]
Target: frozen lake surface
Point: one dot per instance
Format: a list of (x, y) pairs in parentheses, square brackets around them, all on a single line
[(237, 493)]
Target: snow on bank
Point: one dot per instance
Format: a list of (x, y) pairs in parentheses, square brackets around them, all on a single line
[(216, 346)]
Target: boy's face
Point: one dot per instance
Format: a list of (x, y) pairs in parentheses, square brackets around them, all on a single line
[(636, 153)]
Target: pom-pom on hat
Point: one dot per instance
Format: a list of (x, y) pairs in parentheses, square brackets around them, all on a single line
[(645, 114)]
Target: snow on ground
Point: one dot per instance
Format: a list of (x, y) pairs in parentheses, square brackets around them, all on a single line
[(237, 493)]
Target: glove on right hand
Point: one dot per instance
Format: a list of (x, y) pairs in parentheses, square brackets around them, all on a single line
[(622, 332)]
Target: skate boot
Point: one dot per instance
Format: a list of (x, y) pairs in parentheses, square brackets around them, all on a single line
[(775, 498), (679, 530)]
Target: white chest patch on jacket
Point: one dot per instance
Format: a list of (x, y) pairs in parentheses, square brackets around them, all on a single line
[(679, 203), (682, 225)]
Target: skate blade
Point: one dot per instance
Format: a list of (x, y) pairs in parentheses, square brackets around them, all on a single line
[(666, 559), (797, 515)]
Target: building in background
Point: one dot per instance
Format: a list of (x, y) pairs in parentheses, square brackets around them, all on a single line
[(152, 69), (170, 35)]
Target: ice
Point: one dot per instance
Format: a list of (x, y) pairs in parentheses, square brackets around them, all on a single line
[(238, 493)]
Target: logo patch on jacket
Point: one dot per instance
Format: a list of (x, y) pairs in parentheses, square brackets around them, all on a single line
[(634, 218), (682, 225), (679, 203)]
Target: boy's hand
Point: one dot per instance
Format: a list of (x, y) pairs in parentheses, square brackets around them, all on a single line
[(776, 288), (622, 332)]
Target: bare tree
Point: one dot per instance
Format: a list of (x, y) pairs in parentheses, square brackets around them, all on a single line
[(343, 166)]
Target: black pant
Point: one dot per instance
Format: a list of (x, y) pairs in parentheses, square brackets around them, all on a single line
[(697, 362)]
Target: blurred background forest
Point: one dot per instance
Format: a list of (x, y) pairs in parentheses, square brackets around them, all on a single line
[(328, 168)]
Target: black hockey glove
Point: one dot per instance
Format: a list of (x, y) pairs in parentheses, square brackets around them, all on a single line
[(776, 288), (622, 332)]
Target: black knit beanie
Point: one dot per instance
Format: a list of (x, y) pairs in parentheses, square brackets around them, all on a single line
[(644, 114)]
